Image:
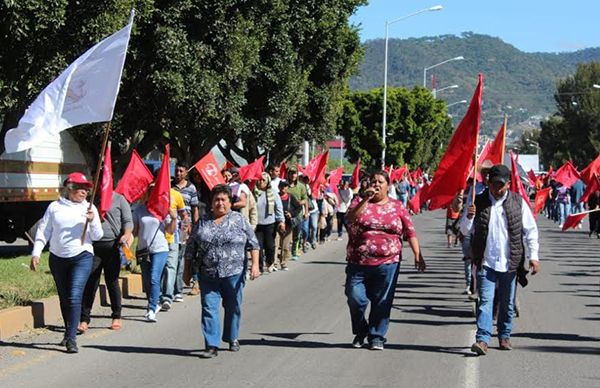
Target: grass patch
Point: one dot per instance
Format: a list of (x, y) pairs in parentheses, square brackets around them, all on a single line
[(19, 285)]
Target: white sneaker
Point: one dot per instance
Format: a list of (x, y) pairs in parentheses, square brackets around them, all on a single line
[(166, 306), (150, 316), (560, 225), (467, 291), (178, 298)]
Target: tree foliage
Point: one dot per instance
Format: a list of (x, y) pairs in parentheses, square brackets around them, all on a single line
[(574, 131), (269, 72), (418, 127)]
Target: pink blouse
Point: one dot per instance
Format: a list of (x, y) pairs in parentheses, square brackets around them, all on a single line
[(375, 238)]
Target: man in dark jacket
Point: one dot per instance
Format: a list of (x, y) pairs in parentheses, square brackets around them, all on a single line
[(500, 222)]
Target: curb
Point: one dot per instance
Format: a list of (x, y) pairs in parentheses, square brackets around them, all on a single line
[(46, 311)]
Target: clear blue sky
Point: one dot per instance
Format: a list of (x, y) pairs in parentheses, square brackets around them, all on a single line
[(529, 25)]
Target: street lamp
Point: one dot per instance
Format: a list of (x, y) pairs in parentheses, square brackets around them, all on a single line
[(596, 86), (385, 61), (436, 91), (456, 103), (460, 58)]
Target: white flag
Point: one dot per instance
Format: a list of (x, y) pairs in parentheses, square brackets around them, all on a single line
[(84, 93)]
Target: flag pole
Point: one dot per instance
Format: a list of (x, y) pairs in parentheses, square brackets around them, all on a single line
[(474, 185), (504, 139), (97, 176)]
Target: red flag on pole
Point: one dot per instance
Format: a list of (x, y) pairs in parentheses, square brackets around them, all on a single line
[(283, 170), (540, 199), (335, 177), (135, 180), (532, 177), (496, 151), (209, 170), (516, 185), (319, 171), (573, 220), (356, 175), (106, 188), (160, 197), (452, 172), (252, 171), (567, 174), (587, 174), (592, 186), (415, 202), (312, 168)]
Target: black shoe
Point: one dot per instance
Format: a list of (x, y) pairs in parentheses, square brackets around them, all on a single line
[(210, 352), (358, 341), (63, 342), (234, 346), (72, 346)]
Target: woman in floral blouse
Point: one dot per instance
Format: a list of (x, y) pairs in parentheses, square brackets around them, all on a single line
[(218, 245), (376, 226)]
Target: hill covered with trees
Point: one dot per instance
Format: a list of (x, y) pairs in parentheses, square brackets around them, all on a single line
[(517, 83)]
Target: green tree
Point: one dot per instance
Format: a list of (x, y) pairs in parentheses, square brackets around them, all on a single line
[(574, 132), (417, 127)]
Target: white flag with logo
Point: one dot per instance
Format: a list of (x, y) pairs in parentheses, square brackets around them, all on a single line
[(84, 93)]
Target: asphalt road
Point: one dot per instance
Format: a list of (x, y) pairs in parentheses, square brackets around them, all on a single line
[(296, 331)]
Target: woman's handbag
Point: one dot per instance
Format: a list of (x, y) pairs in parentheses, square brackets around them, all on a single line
[(143, 255)]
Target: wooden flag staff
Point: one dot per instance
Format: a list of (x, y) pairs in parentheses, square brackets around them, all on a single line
[(97, 176)]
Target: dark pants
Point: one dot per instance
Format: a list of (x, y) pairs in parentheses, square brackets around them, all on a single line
[(266, 239), (70, 276), (341, 222), (107, 258), (375, 284)]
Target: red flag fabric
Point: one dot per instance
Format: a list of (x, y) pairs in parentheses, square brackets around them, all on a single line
[(453, 169), (398, 173), (252, 171), (160, 197), (592, 186), (356, 175), (209, 170), (311, 169), (135, 180), (496, 152), (516, 185), (227, 165), (106, 188), (301, 169), (532, 177), (335, 177), (319, 171), (567, 174), (573, 220), (587, 174), (283, 170), (415, 202), (540, 199)]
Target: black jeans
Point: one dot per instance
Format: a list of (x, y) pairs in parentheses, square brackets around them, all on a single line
[(341, 222), (107, 257), (266, 239)]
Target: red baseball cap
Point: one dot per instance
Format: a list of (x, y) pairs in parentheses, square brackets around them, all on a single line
[(79, 179)]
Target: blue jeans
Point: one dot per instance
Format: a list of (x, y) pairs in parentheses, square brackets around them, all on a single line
[(169, 274), (487, 281), (563, 212), (70, 275), (313, 227), (151, 274), (229, 291), (375, 284), (178, 290)]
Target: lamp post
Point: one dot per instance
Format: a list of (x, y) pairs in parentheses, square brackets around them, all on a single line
[(460, 58), (456, 103), (385, 60), (436, 91), (596, 86)]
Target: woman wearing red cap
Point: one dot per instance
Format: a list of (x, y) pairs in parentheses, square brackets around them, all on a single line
[(70, 257)]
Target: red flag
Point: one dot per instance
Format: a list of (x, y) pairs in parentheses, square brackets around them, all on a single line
[(496, 153), (335, 177), (283, 170), (567, 174), (252, 171), (587, 174), (209, 169), (227, 165), (592, 187), (312, 167), (135, 180), (516, 185), (532, 177), (319, 171), (398, 173), (453, 169), (356, 175), (415, 202), (160, 197), (106, 189), (573, 220), (549, 175), (301, 169), (540, 199)]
